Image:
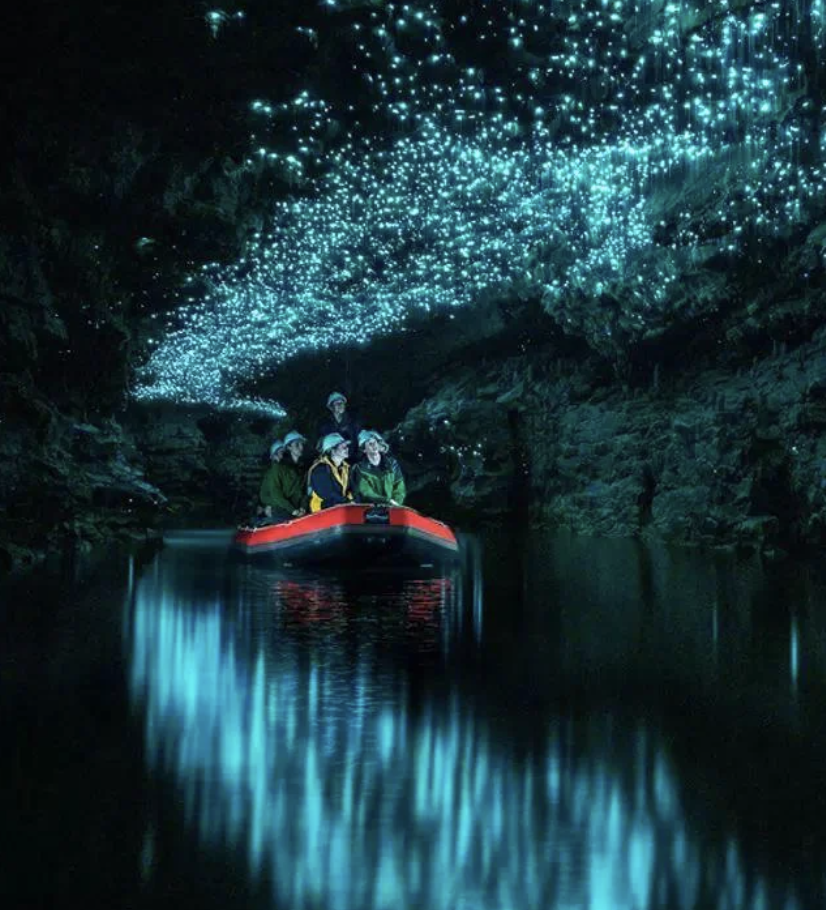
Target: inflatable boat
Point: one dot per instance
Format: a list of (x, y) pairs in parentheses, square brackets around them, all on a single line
[(355, 536)]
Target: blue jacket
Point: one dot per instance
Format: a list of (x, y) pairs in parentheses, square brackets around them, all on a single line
[(328, 485)]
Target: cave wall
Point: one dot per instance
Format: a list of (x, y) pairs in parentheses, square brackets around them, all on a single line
[(119, 171), (718, 454)]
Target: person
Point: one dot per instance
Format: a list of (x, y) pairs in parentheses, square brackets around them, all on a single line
[(276, 453), (339, 421), (282, 489), (294, 444), (328, 480), (377, 478)]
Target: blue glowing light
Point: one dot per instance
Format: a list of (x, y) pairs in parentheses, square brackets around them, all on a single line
[(613, 145)]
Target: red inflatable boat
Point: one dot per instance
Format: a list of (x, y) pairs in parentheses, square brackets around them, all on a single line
[(357, 536)]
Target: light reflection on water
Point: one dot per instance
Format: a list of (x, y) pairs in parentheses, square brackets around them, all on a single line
[(286, 710)]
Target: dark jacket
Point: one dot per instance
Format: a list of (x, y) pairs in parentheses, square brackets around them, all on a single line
[(378, 483), (349, 429), (328, 485), (283, 487)]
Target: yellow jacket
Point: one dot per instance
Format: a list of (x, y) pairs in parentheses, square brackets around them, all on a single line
[(328, 485)]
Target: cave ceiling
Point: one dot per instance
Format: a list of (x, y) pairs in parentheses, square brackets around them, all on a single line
[(627, 165)]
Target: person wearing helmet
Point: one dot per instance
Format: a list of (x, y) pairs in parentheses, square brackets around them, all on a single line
[(277, 450), (328, 481), (339, 421), (377, 478), (282, 489), (276, 453), (294, 444)]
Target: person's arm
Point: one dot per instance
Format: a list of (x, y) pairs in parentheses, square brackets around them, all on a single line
[(399, 488), (326, 488), (295, 491), (354, 483), (279, 493)]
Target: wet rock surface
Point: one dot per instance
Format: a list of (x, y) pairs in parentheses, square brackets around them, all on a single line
[(715, 456)]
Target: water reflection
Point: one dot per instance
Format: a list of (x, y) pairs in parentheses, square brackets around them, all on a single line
[(734, 629), (291, 714)]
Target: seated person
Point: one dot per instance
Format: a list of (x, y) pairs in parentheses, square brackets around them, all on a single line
[(282, 489), (294, 444), (340, 421), (328, 481), (377, 478), (275, 455)]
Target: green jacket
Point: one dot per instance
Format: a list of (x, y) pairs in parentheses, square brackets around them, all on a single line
[(283, 487), (380, 483)]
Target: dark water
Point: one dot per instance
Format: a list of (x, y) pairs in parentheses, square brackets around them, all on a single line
[(558, 724)]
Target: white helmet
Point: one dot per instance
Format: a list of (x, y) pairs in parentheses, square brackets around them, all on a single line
[(293, 436), (330, 441), (333, 397), (367, 435)]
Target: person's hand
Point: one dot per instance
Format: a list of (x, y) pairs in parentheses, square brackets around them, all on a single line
[(297, 513), (393, 502), (268, 511)]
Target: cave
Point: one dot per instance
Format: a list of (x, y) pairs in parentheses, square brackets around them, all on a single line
[(573, 261), (565, 261)]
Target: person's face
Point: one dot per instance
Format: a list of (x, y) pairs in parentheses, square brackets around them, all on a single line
[(296, 448), (340, 451), (339, 407), (371, 447), (277, 456)]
